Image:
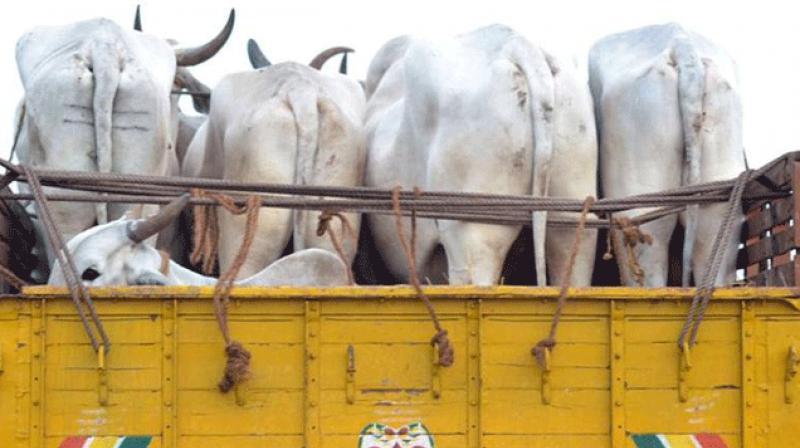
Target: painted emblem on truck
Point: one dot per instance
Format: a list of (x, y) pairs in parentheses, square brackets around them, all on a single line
[(378, 435), (678, 440)]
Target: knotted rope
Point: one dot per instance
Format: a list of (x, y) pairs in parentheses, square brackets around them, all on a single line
[(12, 278), (237, 366), (324, 226), (632, 235), (705, 289), (440, 339), (539, 350)]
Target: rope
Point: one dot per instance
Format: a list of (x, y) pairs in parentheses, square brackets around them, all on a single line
[(440, 339), (205, 234), (79, 293), (706, 288), (632, 235), (237, 366), (324, 226), (539, 350)]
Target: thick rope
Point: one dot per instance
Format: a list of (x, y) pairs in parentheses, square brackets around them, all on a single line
[(237, 366), (632, 235), (440, 339), (548, 343), (80, 295), (705, 289), (205, 234), (324, 226)]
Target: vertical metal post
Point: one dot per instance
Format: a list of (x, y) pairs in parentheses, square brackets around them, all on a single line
[(38, 322), (473, 372), (748, 336), (169, 416), (312, 372), (617, 346)]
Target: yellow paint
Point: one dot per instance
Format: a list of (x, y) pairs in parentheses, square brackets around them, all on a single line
[(326, 362)]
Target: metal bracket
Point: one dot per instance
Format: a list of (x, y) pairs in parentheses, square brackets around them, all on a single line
[(436, 377), (1, 362), (102, 377), (350, 375), (239, 394), (792, 367), (685, 365), (547, 394)]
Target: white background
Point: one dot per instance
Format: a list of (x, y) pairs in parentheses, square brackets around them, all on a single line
[(763, 36)]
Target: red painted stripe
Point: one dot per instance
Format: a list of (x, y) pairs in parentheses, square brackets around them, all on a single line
[(73, 442), (710, 441)]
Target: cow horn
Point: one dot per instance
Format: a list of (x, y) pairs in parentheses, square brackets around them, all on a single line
[(323, 57), (257, 58), (142, 229), (137, 20), (193, 56), (343, 65), (201, 94)]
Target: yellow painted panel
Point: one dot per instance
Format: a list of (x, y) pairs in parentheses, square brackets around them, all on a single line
[(130, 367), (655, 365), (55, 442), (242, 308), (546, 441), (134, 329), (354, 329), (511, 366), (447, 414), (517, 329), (254, 441), (273, 365), (390, 366), (78, 413), (544, 307), (659, 411), (783, 418), (665, 308), (712, 330), (247, 329), (572, 411), (9, 378), (381, 308), (264, 412), (351, 441), (126, 306)]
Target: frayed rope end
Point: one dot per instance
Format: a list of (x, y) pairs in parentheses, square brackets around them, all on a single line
[(237, 366)]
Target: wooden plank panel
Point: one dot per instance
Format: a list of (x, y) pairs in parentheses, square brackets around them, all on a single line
[(779, 211), (10, 365), (210, 412), (358, 329), (121, 329), (522, 412), (447, 414), (130, 367), (390, 367), (654, 365), (247, 329), (659, 411), (545, 441), (251, 441), (511, 366), (783, 275), (351, 441), (769, 246), (782, 417), (77, 412)]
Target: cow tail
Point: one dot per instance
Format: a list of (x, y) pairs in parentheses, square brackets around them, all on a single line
[(106, 69), (691, 89), (541, 102), (303, 102)]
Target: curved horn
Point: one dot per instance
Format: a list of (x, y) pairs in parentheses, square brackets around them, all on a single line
[(201, 94), (343, 65), (193, 56), (323, 57), (137, 20), (142, 229), (257, 58)]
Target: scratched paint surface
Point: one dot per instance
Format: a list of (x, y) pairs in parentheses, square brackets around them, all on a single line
[(169, 392)]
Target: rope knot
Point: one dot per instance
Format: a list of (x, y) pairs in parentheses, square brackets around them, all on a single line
[(237, 366), (441, 341), (324, 226), (539, 351), (632, 235)]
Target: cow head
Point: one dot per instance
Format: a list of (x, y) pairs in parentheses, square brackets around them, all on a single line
[(116, 254), (259, 60)]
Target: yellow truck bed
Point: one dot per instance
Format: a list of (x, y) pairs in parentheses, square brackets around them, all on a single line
[(331, 364)]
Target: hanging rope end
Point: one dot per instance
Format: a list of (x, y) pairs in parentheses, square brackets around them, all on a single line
[(446, 354), (539, 352), (237, 366)]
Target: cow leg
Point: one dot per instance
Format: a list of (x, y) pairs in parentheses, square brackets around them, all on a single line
[(641, 151), (476, 252), (384, 232)]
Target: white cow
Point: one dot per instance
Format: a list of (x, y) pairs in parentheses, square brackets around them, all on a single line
[(488, 112), (115, 254), (98, 98), (669, 114), (286, 123)]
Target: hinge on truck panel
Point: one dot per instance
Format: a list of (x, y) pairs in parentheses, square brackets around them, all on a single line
[(350, 375), (792, 367), (685, 365), (546, 368), (436, 376), (102, 376), (1, 361)]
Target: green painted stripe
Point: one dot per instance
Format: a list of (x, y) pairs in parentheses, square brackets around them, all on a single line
[(647, 441), (136, 442)]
